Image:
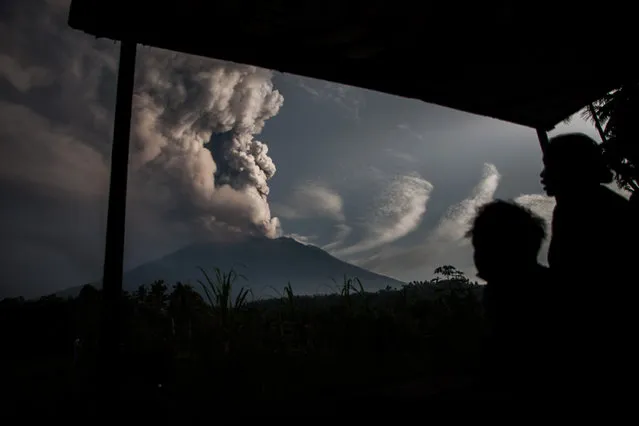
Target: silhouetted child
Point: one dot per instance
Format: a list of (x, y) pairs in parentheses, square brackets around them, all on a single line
[(506, 239)]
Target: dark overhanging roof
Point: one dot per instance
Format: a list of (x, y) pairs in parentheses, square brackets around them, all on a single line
[(525, 63)]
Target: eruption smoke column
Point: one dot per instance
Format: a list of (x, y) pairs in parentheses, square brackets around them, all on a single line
[(180, 103)]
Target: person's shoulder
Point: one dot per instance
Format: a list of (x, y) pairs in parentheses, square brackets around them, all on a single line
[(612, 196), (611, 202), (543, 270), (543, 274)]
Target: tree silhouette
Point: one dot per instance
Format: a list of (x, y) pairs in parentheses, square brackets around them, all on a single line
[(449, 272), (615, 116)]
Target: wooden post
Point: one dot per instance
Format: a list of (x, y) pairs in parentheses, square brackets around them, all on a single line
[(543, 139), (111, 322)]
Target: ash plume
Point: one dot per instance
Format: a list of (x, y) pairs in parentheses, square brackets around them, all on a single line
[(181, 105)]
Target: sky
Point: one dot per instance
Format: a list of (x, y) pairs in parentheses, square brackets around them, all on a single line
[(222, 150)]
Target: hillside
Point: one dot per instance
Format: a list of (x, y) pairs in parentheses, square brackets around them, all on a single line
[(266, 264)]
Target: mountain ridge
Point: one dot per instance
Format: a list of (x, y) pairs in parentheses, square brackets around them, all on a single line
[(266, 263)]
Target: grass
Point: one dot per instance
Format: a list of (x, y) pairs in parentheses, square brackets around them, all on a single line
[(229, 345)]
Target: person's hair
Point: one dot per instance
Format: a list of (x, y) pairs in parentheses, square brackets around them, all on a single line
[(577, 151), (506, 224)]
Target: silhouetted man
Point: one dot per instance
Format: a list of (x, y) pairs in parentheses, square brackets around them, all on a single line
[(506, 240), (634, 204), (592, 254)]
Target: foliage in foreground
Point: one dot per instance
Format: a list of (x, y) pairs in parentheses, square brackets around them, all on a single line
[(185, 341)]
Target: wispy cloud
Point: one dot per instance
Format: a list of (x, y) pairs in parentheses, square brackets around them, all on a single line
[(312, 200), (400, 155), (343, 232), (399, 211), (456, 221), (404, 127), (347, 98), (446, 243)]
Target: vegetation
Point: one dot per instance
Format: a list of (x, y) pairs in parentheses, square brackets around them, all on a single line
[(615, 117), (180, 343)]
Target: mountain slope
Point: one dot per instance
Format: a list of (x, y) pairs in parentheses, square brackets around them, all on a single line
[(264, 262)]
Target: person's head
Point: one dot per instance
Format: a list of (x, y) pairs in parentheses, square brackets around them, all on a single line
[(573, 162), (506, 238)]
